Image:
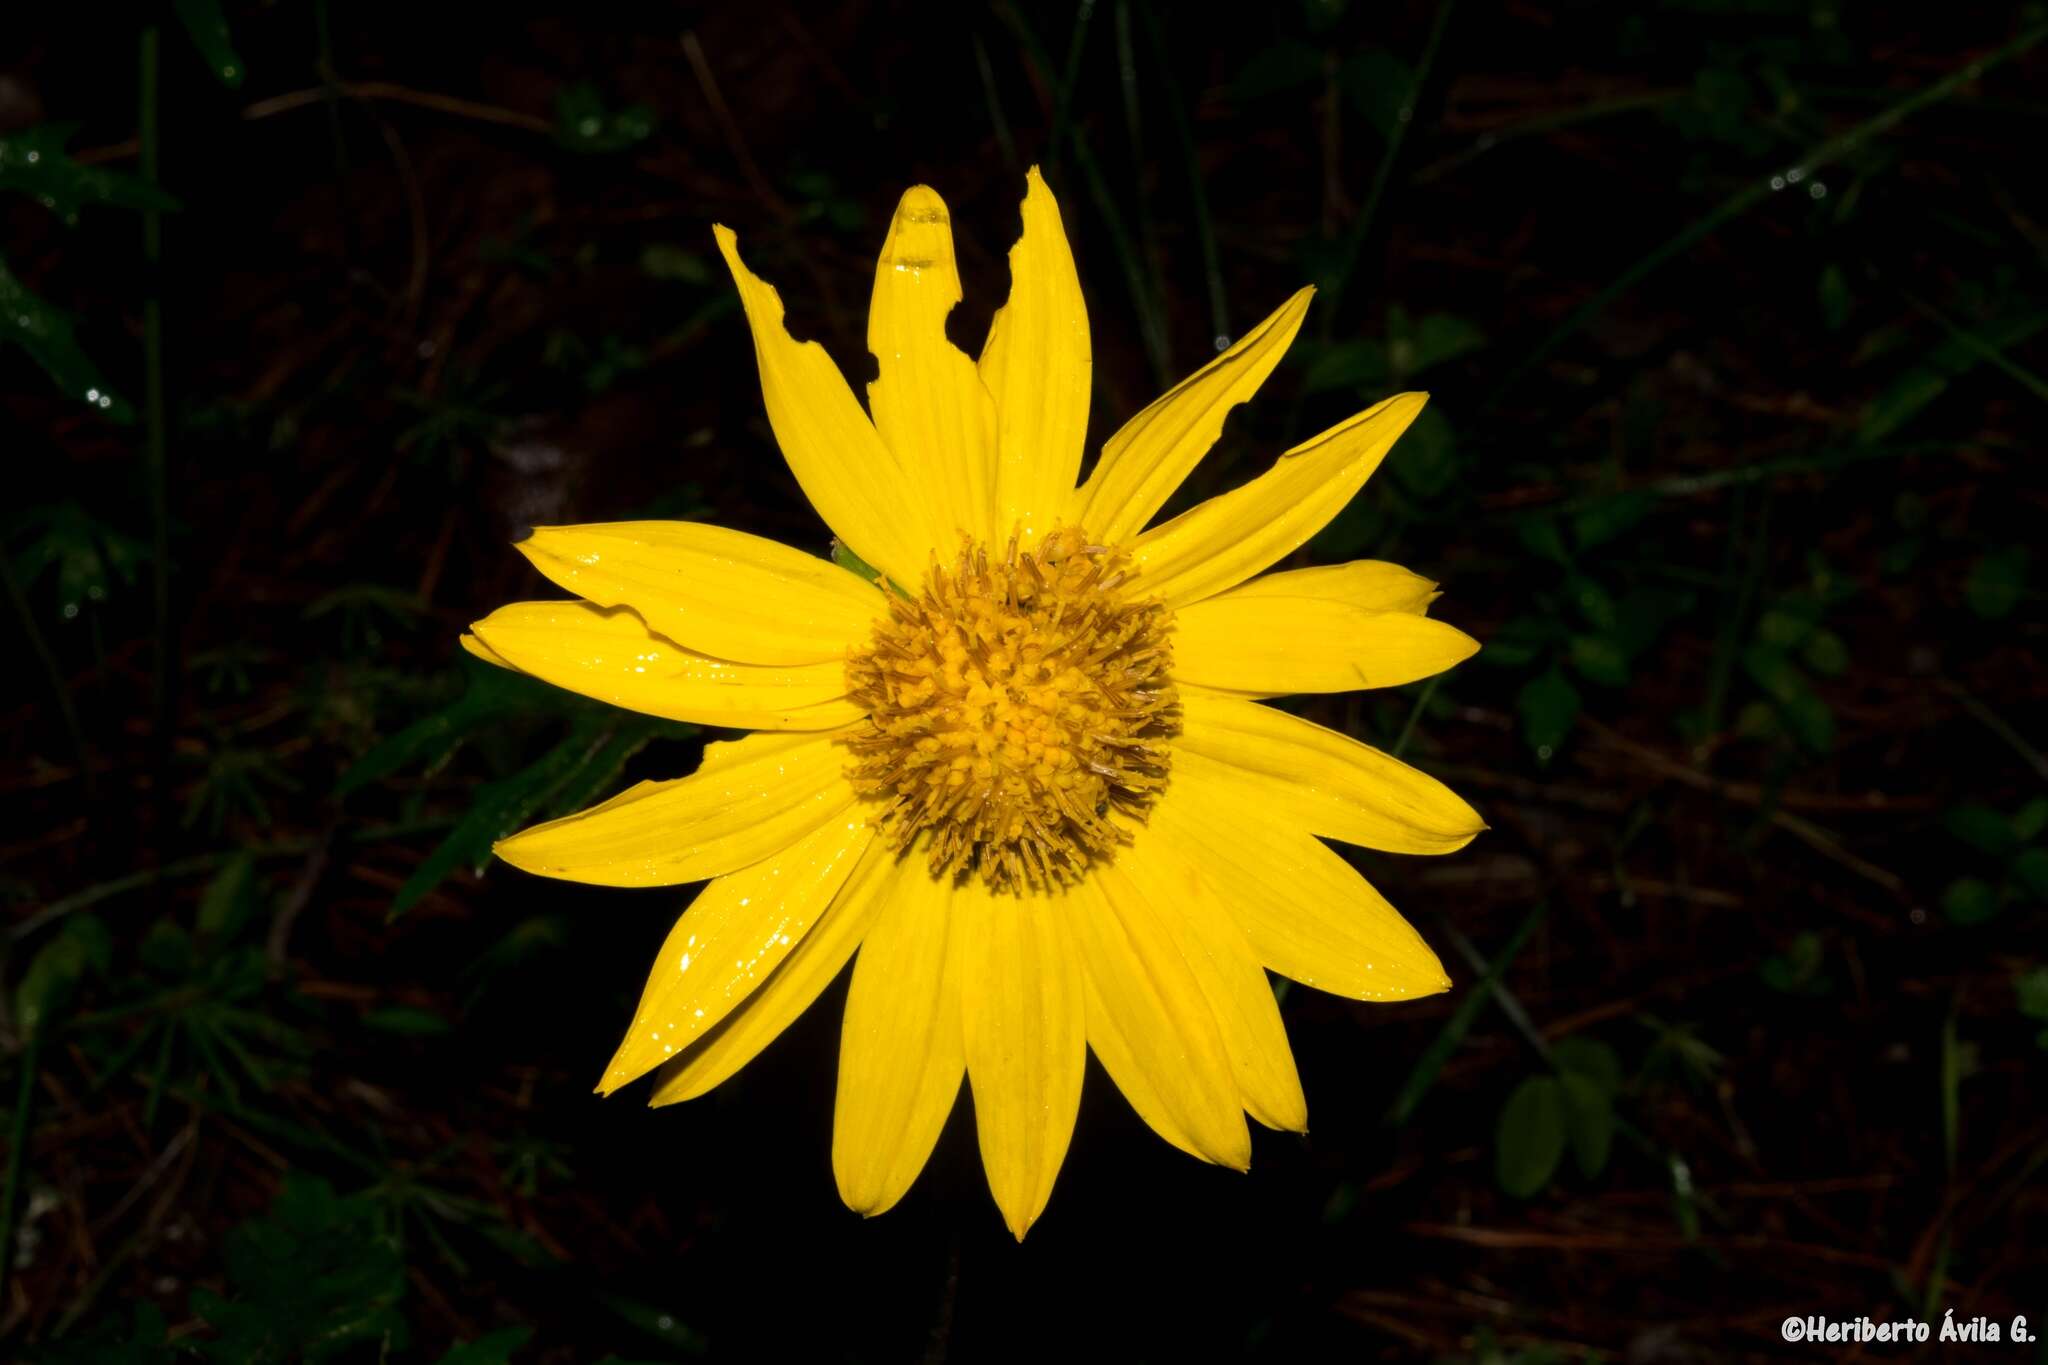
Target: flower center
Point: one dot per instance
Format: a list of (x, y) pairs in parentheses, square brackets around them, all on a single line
[(1012, 707)]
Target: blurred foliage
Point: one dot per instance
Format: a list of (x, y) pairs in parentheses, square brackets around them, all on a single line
[(1724, 465)]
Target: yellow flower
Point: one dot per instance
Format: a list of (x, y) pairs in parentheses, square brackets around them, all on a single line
[(1023, 773)]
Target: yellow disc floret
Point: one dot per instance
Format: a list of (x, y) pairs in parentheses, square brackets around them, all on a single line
[(1013, 706)]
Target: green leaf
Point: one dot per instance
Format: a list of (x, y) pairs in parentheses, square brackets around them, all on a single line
[(1826, 654), (658, 1323), (1983, 829), (1518, 643), (167, 949), (207, 27), (229, 899), (584, 124), (1784, 629), (1599, 659), (1548, 705), (1542, 537), (1530, 1140), (1969, 900), (2030, 870), (1425, 462), (1436, 340), (1804, 714), (566, 777), (1355, 364), (35, 163), (667, 261), (1797, 970), (1276, 70), (406, 1021), (1835, 300), (54, 972), (1997, 581), (1900, 403), (489, 694), (2031, 990), (1810, 720), (45, 333), (1594, 602), (92, 561), (1609, 518), (2030, 820), (495, 1349), (313, 1279), (1589, 1122), (1376, 84), (1591, 1058)]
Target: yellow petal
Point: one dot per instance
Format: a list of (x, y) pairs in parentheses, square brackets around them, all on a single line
[(738, 931), (900, 1056), (844, 469), (810, 967), (1307, 914), (1038, 366), (1143, 463), (1326, 781), (762, 795), (612, 656), (929, 404), (1234, 535), (1023, 1016), (1368, 584), (486, 653), (1269, 644), (1150, 1024), (1172, 873), (717, 591)]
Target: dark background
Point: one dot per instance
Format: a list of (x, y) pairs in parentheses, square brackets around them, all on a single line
[(1735, 481)]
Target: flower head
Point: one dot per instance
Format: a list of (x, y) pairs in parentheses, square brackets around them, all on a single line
[(1020, 775)]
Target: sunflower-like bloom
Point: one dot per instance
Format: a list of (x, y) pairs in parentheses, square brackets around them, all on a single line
[(1019, 773)]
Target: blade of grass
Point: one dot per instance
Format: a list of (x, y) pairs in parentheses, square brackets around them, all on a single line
[(1986, 351), (1150, 329), (1070, 74), (1361, 223), (17, 1150), (1460, 1023), (39, 644), (1547, 123), (1998, 725), (1747, 198), (156, 457), (1134, 130), (204, 862), (1728, 642), (1198, 194), (997, 120), (1414, 715)]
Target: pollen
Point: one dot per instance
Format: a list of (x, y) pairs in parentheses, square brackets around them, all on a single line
[(1015, 706)]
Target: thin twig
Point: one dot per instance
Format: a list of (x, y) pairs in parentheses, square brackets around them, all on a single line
[(398, 94)]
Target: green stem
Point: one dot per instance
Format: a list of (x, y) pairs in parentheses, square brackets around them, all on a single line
[(1063, 105), (1460, 1023), (55, 674), (1361, 225), (155, 458), (997, 121), (1421, 704), (17, 1148), (1198, 194)]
